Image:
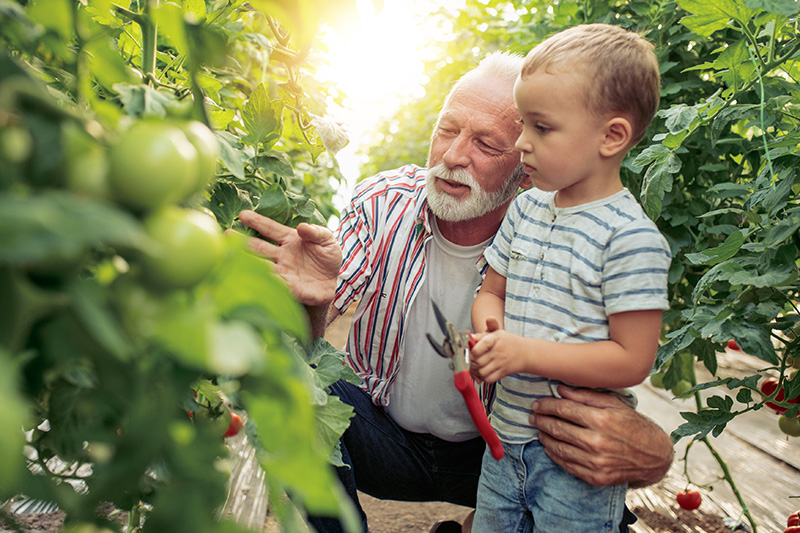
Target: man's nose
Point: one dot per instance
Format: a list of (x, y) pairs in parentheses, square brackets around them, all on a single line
[(457, 153)]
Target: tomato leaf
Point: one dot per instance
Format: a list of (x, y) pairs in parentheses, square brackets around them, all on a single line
[(263, 117), (248, 281), (57, 224), (333, 418), (232, 154), (226, 202)]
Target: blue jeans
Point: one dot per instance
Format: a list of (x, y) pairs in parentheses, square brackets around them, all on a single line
[(390, 463), (527, 492)]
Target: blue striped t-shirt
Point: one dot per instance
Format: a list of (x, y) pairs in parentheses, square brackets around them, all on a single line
[(567, 270)]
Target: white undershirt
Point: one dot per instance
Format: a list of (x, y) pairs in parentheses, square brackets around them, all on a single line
[(423, 398)]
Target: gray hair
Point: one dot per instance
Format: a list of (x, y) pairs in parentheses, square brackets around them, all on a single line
[(495, 65)]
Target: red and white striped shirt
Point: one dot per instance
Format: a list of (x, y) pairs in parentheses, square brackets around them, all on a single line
[(383, 232)]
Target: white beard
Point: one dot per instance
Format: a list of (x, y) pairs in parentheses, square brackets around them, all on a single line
[(478, 203)]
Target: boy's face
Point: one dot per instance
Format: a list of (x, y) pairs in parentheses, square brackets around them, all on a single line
[(560, 139)]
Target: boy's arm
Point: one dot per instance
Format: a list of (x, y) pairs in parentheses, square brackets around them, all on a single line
[(490, 301), (623, 361)]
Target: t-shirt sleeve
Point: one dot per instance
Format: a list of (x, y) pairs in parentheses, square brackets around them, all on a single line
[(636, 268), (497, 253)]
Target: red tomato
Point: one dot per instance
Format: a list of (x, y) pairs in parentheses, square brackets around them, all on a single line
[(689, 499), (792, 529), (794, 519), (732, 345), (236, 425), (768, 387)]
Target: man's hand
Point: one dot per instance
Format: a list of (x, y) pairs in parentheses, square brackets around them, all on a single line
[(307, 258), (595, 437)]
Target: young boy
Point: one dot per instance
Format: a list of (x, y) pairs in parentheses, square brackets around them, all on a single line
[(577, 274)]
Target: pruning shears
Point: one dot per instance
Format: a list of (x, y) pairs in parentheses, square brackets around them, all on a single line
[(456, 346)]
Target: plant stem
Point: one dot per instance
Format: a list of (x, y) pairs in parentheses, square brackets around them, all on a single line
[(727, 473), (134, 519), (149, 40), (723, 465)]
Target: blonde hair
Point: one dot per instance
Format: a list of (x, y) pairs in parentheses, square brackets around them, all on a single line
[(620, 68)]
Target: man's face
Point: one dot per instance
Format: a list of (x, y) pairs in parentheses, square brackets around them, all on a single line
[(472, 151)]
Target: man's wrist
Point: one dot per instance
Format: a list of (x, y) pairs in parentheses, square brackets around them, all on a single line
[(318, 319)]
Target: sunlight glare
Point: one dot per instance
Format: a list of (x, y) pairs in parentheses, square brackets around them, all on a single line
[(376, 60)]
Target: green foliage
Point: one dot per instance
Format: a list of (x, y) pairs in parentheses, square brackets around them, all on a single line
[(97, 360), (716, 171)]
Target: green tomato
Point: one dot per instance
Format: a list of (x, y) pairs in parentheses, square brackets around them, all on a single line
[(790, 426), (85, 163), (152, 164), (681, 387), (188, 244), (180, 108), (207, 146), (657, 380), (16, 144)]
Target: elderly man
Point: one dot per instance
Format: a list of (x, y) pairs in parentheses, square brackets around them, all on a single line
[(413, 236)]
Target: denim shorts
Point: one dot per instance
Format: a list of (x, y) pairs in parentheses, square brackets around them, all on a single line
[(527, 492)]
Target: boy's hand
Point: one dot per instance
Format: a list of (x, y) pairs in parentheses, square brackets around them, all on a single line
[(494, 354)]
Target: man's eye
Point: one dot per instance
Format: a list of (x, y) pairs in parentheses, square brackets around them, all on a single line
[(487, 147)]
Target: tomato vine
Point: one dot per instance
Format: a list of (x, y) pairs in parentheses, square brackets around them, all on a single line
[(130, 136)]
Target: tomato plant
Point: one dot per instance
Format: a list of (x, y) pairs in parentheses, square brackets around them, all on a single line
[(681, 387), (130, 136), (689, 499), (657, 380)]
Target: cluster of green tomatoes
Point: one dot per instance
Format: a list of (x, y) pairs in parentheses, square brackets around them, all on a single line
[(151, 168)]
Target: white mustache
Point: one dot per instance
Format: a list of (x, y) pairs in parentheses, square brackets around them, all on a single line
[(456, 175)]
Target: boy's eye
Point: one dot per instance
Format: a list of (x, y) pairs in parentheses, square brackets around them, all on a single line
[(541, 128)]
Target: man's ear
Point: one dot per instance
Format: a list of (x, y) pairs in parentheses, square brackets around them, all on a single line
[(616, 137)]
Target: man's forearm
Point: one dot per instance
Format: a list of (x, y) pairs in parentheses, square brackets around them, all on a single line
[(319, 318)]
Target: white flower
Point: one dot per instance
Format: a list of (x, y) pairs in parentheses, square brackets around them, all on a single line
[(332, 134)]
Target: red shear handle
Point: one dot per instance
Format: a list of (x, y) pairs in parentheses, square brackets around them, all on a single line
[(466, 387)]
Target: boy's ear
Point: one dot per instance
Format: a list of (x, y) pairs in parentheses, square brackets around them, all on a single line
[(617, 136)]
